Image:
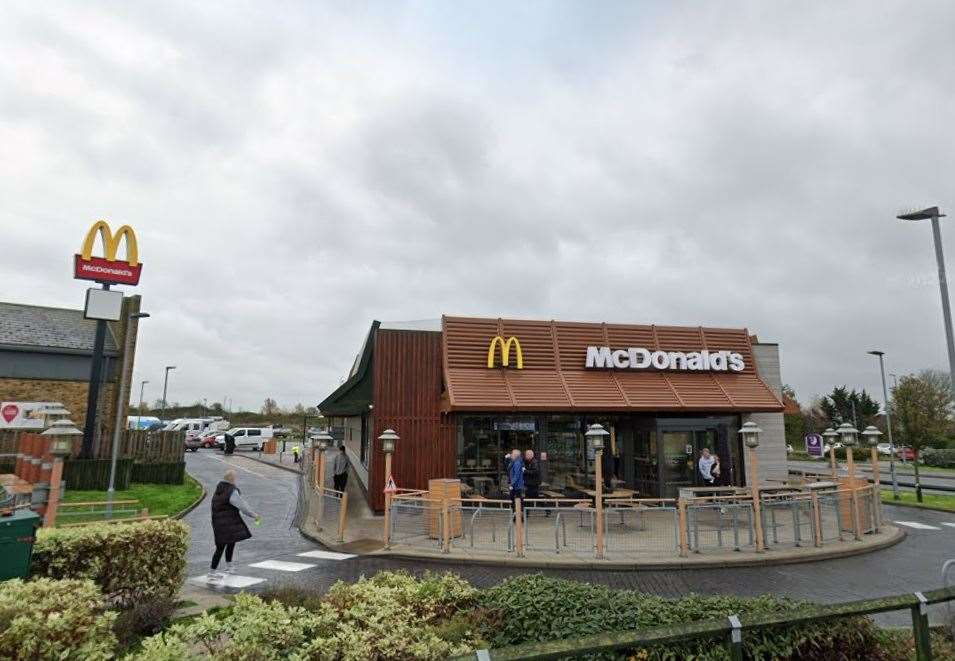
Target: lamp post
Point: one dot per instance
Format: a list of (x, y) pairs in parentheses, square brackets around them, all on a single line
[(848, 435), (933, 214), (388, 439), (750, 433), (61, 434), (888, 425), (596, 436), (132, 327), (830, 435), (323, 441), (872, 435), (142, 390), (165, 383)]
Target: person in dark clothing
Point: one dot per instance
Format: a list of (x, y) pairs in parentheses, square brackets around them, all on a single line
[(607, 468), (532, 475), (229, 442), (228, 527), (340, 469)]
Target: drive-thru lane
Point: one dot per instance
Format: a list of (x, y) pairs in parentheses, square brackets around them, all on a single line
[(913, 564)]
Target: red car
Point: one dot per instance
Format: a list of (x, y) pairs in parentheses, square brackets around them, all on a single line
[(908, 454), (207, 439)]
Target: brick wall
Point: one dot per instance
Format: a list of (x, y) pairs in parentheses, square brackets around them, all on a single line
[(71, 393)]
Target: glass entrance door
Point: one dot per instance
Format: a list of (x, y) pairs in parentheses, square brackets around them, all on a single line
[(676, 462), (681, 443)]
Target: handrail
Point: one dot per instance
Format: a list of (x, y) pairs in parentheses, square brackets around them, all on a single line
[(721, 628), (104, 502)]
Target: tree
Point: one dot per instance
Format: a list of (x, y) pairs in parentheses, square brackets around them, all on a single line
[(923, 408), (844, 405), (270, 407)]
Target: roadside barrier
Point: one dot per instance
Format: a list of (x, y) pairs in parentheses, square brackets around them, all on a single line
[(728, 632), (634, 528)]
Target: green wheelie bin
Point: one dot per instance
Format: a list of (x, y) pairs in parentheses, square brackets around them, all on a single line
[(17, 532)]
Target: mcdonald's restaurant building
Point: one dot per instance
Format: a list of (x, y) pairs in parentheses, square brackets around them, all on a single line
[(461, 392)]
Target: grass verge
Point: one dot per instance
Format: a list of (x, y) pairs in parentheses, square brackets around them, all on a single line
[(929, 500), (160, 499)]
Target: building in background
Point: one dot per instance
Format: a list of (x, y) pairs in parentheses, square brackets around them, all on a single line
[(45, 356), (461, 392)]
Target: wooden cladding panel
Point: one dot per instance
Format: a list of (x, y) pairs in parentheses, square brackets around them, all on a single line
[(555, 377), (407, 388)]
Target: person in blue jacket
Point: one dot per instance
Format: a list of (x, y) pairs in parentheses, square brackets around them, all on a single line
[(515, 476)]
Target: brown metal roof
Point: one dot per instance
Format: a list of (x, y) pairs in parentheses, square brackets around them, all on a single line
[(553, 377)]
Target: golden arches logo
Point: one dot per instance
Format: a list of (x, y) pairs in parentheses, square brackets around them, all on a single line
[(111, 242), (505, 346)]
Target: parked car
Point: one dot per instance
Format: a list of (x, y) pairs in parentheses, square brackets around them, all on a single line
[(207, 439), (246, 437), (192, 443), (884, 448), (906, 453)]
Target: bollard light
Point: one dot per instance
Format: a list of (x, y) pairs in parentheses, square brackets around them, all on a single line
[(830, 435), (750, 433), (871, 435), (323, 440), (848, 434), (388, 439), (62, 433), (595, 436)]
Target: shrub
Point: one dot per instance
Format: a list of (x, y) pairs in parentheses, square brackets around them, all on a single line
[(390, 616), (129, 561), (144, 618), (534, 608), (47, 619), (940, 458)]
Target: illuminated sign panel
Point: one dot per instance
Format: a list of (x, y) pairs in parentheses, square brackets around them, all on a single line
[(107, 269), (639, 358)]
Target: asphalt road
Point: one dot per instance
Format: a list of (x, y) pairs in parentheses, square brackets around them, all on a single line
[(906, 477), (914, 564)]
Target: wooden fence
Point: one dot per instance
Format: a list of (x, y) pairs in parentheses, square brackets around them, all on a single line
[(139, 445)]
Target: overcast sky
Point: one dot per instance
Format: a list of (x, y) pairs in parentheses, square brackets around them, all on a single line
[(296, 170)]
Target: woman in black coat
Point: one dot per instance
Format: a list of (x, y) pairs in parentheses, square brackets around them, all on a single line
[(227, 524)]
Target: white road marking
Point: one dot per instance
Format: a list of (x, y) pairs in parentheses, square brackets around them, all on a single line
[(241, 468), (227, 581), (950, 525), (329, 555), (281, 566), (917, 525)]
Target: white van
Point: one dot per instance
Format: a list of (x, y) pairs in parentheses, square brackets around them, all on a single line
[(251, 438), (192, 426)]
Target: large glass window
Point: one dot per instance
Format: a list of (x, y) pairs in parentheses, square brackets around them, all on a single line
[(562, 453)]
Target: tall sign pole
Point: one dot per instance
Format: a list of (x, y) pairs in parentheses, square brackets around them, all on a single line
[(106, 270)]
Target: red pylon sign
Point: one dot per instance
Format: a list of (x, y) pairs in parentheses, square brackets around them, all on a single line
[(391, 487)]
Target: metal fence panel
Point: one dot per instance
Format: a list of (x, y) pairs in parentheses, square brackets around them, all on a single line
[(416, 522), (482, 526), (720, 525), (631, 528), (787, 521)]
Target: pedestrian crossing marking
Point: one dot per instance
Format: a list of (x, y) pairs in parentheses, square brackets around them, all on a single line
[(917, 525), (227, 581), (281, 565), (327, 555)]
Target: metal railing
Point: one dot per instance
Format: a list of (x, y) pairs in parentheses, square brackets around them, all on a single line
[(729, 632), (632, 528)]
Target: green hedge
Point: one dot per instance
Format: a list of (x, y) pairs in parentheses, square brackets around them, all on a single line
[(128, 561), (534, 608), (93, 474), (171, 473), (46, 619), (940, 458)]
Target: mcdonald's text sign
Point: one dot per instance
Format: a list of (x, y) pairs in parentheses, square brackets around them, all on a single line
[(108, 269)]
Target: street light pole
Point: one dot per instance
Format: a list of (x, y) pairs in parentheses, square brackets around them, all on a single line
[(165, 382), (132, 327), (933, 214), (888, 426), (142, 389)]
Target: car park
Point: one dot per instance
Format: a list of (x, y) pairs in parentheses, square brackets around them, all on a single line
[(251, 438)]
